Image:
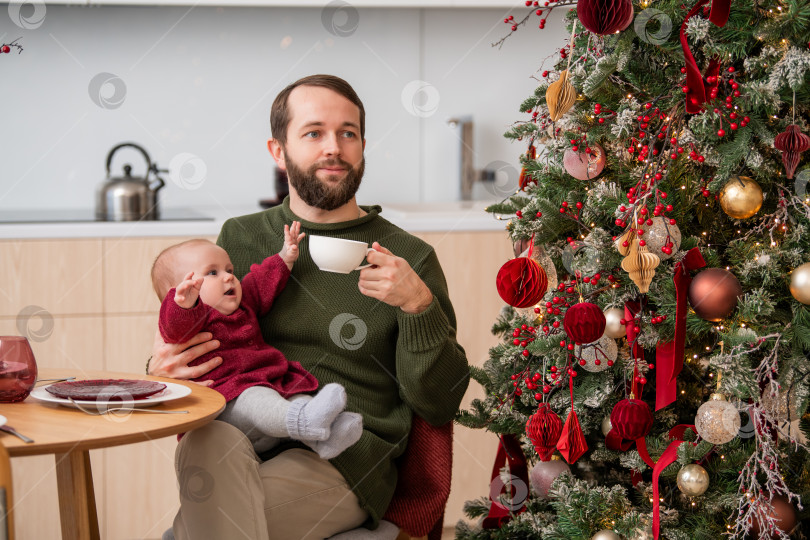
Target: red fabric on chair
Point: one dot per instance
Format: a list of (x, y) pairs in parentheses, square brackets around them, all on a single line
[(423, 486)]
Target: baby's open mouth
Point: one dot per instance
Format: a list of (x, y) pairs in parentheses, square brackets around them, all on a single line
[(230, 292)]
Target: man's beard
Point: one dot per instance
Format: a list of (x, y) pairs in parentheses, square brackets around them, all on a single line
[(319, 194)]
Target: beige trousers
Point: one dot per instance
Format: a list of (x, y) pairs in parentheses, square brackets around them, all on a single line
[(227, 493)]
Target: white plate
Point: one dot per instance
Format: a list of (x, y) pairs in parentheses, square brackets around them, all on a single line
[(3, 420), (171, 392)]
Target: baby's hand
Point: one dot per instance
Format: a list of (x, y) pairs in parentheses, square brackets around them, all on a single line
[(186, 294), (292, 236)]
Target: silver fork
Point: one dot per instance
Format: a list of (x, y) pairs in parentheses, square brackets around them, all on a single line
[(127, 409)]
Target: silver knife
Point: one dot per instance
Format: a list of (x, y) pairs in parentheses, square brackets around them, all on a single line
[(9, 429)]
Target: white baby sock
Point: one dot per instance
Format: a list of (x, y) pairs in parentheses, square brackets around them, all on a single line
[(345, 431), (311, 420)]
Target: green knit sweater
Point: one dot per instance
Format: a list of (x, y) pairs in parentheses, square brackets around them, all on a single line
[(392, 364)]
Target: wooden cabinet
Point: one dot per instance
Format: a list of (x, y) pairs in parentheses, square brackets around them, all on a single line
[(94, 308)]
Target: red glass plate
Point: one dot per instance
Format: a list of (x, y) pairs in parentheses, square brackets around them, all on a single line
[(105, 389)]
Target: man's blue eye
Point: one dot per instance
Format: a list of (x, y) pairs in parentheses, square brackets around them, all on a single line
[(311, 134), (349, 134)]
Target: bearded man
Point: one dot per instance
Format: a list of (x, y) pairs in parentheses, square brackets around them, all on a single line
[(388, 336)]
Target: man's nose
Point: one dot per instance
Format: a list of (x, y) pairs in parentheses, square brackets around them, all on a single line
[(331, 144)]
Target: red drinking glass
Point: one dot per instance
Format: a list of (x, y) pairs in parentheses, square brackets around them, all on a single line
[(18, 369)]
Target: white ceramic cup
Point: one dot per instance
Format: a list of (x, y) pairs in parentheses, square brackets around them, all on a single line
[(338, 254)]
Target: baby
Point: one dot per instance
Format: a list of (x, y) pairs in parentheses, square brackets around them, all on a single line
[(265, 392)]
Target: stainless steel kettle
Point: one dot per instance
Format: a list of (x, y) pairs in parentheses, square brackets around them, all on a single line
[(129, 198)]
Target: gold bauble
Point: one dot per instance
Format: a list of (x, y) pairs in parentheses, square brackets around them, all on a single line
[(800, 283), (607, 425), (741, 197), (626, 236), (693, 480), (606, 534), (614, 327), (560, 96)]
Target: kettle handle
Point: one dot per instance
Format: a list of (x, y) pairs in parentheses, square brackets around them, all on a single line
[(133, 145)]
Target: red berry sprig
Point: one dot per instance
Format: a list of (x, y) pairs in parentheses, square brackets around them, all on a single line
[(5, 48)]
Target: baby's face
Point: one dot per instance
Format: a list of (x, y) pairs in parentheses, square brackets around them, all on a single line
[(220, 289)]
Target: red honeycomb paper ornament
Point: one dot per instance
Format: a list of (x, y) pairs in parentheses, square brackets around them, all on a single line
[(521, 282), (543, 429), (792, 143), (605, 16)]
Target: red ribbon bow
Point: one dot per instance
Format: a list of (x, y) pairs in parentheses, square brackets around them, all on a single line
[(669, 355), (696, 89)]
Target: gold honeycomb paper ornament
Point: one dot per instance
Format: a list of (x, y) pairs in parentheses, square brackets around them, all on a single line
[(640, 264), (560, 97)]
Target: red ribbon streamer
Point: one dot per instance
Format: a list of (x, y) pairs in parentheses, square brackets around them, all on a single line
[(669, 355), (508, 449), (667, 458), (696, 90)]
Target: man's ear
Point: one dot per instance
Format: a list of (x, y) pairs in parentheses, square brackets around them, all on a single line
[(364, 145), (277, 151)]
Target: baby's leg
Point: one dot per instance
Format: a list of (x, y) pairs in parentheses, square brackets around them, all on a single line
[(236, 414)]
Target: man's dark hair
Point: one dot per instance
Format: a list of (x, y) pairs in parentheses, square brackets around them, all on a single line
[(280, 114)]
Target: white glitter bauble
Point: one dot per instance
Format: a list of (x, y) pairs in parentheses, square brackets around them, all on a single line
[(717, 421), (614, 327), (779, 403), (658, 234), (602, 350), (643, 533)]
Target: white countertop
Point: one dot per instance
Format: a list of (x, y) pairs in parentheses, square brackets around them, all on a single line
[(446, 217)]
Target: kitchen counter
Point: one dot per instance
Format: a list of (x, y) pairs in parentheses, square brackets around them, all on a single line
[(448, 217)]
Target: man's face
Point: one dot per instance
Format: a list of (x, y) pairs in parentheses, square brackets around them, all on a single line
[(323, 155)]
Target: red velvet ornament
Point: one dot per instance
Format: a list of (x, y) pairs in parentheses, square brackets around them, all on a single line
[(544, 428), (631, 419), (605, 16), (521, 282), (584, 322), (792, 143)]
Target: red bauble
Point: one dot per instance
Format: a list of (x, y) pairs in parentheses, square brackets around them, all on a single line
[(792, 143), (631, 419), (713, 294), (584, 322), (543, 429), (521, 282), (572, 441), (784, 514), (605, 16)]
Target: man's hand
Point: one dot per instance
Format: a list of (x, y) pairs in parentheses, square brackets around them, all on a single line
[(393, 281), (292, 236), (186, 294), (172, 359)]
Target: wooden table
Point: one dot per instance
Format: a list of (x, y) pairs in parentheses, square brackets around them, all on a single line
[(70, 434)]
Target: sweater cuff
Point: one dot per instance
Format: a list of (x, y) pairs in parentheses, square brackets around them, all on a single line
[(423, 331)]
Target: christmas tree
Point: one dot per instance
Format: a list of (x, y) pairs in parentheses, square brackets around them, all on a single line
[(658, 328)]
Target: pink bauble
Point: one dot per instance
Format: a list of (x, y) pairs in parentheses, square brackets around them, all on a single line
[(544, 473), (584, 166)]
